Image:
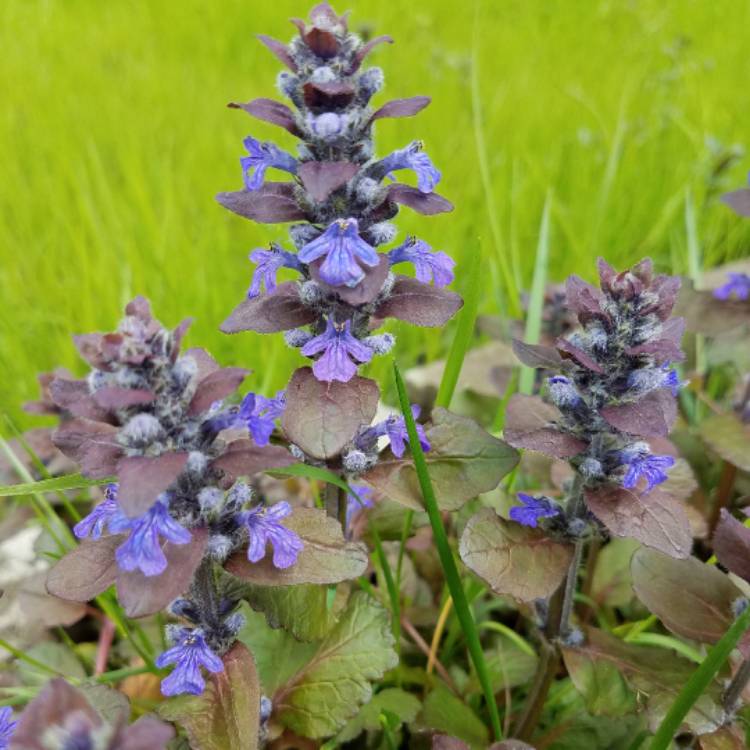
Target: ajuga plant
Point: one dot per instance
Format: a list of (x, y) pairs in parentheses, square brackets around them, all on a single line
[(608, 405), (340, 201)]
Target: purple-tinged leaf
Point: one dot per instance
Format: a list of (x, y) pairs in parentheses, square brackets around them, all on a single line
[(35, 603), (367, 289), (726, 738), (270, 313), (113, 398), (74, 396), (534, 355), (143, 478), (731, 544), (427, 204), (401, 107), (693, 600), (512, 559), (54, 706), (651, 416), (148, 733), (419, 304), (464, 461), (227, 715), (321, 178), (87, 570), (365, 50), (142, 595), (656, 520), (270, 111), (328, 96), (583, 299), (243, 458), (667, 347), (326, 557), (530, 423), (571, 351), (445, 742), (321, 418), (216, 387), (279, 50), (706, 314), (93, 445), (272, 203), (738, 201), (139, 307), (323, 43), (89, 347), (205, 362)]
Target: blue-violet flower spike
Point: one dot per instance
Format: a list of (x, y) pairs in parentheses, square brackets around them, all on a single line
[(533, 509), (263, 526), (363, 499), (189, 654), (738, 285), (95, 523), (142, 549), (259, 413), (342, 248), (642, 465), (428, 266), (413, 157), (395, 429), (261, 157), (7, 725), (268, 264), (340, 352)]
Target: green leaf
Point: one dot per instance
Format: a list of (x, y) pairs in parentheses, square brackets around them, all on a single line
[(301, 610), (56, 484), (514, 560), (445, 712), (329, 689), (536, 298), (394, 701), (729, 437), (278, 655), (612, 584), (227, 715), (452, 578), (603, 688), (695, 689), (464, 331), (657, 675), (464, 461), (56, 656), (508, 665)]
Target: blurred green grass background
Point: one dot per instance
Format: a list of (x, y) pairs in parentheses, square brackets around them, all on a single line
[(114, 137)]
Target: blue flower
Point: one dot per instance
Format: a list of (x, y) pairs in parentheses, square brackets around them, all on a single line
[(261, 157), (363, 499), (738, 285), (7, 725), (562, 392), (264, 525), (189, 654), (429, 266), (102, 515), (142, 549), (340, 352), (342, 248), (672, 379), (412, 157), (394, 428), (256, 413), (268, 264), (533, 509), (642, 465)]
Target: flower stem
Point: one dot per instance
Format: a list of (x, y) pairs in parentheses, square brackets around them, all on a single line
[(732, 696), (570, 590)]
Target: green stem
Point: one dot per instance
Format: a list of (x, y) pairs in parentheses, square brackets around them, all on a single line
[(699, 682), (450, 569)]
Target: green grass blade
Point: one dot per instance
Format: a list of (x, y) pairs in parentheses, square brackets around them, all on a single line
[(464, 331), (313, 472), (56, 484), (391, 586), (460, 602), (698, 682), (536, 299)]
